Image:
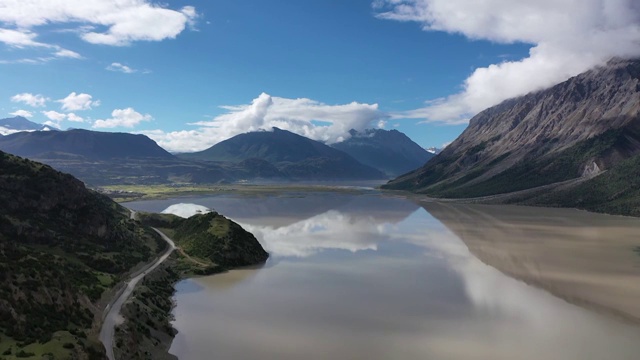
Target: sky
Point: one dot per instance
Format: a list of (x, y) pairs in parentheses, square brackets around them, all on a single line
[(190, 74)]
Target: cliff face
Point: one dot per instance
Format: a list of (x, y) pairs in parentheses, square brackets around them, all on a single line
[(61, 247), (577, 128)]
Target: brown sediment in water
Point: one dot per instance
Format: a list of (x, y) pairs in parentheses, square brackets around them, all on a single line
[(584, 258)]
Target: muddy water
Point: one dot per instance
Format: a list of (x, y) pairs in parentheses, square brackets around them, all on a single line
[(377, 277)]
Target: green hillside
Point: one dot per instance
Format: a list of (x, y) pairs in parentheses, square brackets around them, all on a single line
[(61, 248)]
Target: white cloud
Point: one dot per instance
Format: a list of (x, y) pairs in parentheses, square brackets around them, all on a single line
[(77, 102), (306, 117), (567, 36), (20, 38), (74, 118), (52, 124), (121, 22), (122, 118), (64, 53), (23, 113), (55, 118), (118, 67), (54, 115), (30, 99)]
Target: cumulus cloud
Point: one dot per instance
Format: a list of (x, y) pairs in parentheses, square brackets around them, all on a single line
[(23, 113), (567, 36), (20, 38), (306, 117), (64, 53), (74, 118), (127, 118), (77, 102), (55, 118), (118, 67), (30, 99), (119, 22)]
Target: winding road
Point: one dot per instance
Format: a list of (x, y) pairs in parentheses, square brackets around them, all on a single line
[(112, 318)]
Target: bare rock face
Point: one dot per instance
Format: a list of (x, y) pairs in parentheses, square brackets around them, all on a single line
[(580, 127)]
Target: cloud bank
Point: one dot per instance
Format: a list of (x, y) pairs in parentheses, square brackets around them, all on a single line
[(306, 117), (567, 36)]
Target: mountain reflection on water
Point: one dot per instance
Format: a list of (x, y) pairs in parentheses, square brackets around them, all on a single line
[(377, 277)]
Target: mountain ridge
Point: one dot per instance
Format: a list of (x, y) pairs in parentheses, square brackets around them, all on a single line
[(580, 127), (293, 155), (19, 123)]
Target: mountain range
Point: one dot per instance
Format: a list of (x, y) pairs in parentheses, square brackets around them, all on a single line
[(387, 150), (292, 155), (101, 158), (576, 133)]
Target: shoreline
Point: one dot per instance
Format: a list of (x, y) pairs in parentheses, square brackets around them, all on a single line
[(554, 275)]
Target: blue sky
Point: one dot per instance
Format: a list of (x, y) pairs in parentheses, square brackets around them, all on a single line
[(190, 74)]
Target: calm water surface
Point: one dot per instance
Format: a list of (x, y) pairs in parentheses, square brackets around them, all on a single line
[(372, 277)]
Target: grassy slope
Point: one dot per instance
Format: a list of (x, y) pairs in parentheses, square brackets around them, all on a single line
[(210, 238), (61, 247)]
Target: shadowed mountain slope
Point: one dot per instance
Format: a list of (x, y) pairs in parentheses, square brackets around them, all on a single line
[(390, 151)]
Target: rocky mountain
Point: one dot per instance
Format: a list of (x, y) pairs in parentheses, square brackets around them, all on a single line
[(62, 249), (389, 151), (102, 158), (572, 131), (18, 123), (295, 156)]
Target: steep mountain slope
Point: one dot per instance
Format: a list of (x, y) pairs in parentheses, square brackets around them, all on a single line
[(578, 128), (101, 158), (387, 150), (293, 155), (18, 123), (61, 247)]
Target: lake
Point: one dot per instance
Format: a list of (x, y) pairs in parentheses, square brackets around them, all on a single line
[(375, 276)]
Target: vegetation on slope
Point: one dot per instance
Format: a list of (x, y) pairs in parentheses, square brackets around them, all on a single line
[(210, 239), (616, 191), (147, 332), (61, 247)]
